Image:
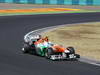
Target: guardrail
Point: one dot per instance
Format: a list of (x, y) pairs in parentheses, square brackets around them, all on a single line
[(57, 2)]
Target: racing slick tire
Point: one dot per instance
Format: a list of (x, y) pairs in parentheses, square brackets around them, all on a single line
[(48, 53), (26, 48), (71, 49)]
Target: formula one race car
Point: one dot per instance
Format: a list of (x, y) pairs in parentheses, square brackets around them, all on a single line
[(35, 44)]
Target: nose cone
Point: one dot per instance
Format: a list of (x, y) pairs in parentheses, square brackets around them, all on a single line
[(59, 48)]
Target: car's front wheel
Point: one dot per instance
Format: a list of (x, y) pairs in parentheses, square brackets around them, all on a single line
[(71, 49), (48, 53)]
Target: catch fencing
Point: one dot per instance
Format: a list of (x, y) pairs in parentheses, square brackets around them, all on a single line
[(56, 2)]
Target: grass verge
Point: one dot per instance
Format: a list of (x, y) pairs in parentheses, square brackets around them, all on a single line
[(84, 37)]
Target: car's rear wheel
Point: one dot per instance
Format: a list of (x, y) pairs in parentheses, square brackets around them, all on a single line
[(26, 48)]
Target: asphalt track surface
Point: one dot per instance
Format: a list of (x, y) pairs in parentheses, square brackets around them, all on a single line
[(13, 62)]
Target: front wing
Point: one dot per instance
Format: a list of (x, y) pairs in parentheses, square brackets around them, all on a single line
[(71, 56)]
